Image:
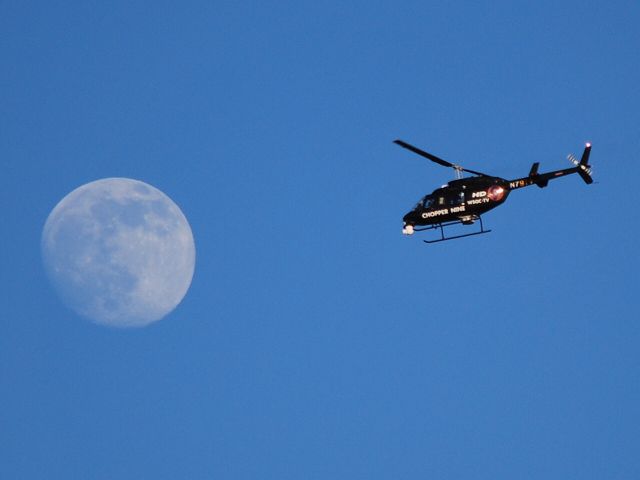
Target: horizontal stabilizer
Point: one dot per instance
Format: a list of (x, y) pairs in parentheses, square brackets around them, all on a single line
[(536, 178)]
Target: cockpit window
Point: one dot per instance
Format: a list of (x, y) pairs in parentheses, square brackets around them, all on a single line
[(427, 202)]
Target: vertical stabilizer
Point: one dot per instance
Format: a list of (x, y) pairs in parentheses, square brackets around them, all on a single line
[(584, 169)]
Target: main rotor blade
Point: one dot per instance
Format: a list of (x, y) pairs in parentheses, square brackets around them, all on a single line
[(435, 159), (422, 153)]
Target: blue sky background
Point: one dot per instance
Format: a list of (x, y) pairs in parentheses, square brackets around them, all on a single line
[(316, 341)]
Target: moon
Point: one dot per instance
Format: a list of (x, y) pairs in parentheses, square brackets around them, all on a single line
[(119, 252)]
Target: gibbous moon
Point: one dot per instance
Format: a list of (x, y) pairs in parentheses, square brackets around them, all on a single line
[(119, 252)]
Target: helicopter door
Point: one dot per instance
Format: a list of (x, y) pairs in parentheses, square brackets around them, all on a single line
[(456, 199)]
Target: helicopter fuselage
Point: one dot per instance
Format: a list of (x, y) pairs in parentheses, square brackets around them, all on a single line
[(462, 200)]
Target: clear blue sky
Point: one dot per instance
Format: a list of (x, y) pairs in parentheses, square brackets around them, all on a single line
[(316, 341)]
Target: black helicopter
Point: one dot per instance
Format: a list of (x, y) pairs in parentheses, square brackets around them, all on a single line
[(464, 200)]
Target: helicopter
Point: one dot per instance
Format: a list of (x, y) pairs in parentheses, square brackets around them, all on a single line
[(465, 200)]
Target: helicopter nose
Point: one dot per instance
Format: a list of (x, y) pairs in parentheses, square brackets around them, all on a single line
[(411, 217)]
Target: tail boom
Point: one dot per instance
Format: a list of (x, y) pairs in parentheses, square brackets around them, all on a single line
[(582, 168)]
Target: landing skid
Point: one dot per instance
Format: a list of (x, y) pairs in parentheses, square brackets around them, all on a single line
[(447, 224)]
